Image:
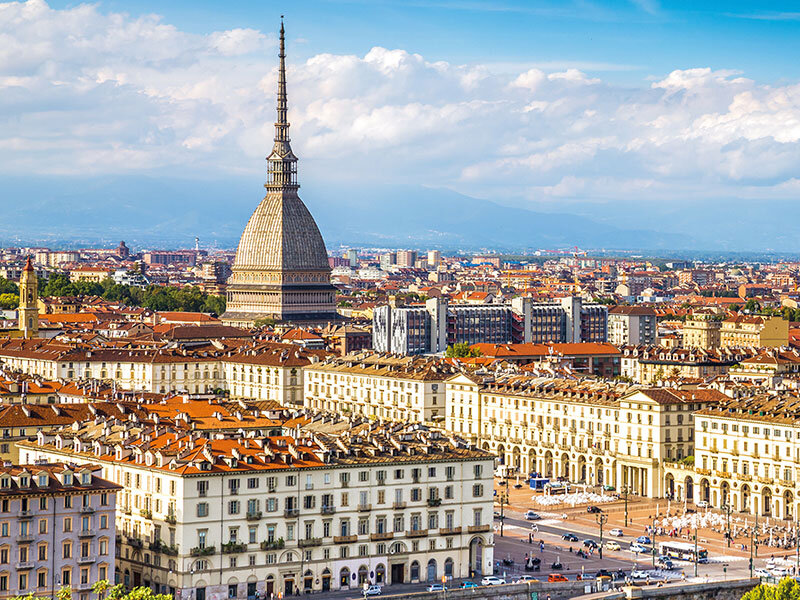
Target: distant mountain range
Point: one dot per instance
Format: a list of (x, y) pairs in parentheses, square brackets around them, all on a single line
[(150, 212)]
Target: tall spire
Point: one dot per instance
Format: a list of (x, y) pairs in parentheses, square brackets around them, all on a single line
[(282, 163)]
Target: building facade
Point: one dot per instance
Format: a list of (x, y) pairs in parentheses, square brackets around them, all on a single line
[(632, 325)]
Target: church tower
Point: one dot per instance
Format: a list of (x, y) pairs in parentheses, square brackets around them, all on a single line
[(28, 311), (281, 270)]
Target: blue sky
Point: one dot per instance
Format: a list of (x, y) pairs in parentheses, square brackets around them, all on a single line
[(631, 39), (587, 106)]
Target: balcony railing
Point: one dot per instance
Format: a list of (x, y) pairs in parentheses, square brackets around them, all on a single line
[(233, 548), (449, 530), (206, 551), (25, 514), (327, 510), (273, 544), (398, 505), (84, 533), (307, 542), (478, 528), (344, 539), (171, 519), (86, 510), (85, 560), (364, 507), (413, 533), (146, 513), (434, 501), (254, 516), (291, 512), (375, 537)]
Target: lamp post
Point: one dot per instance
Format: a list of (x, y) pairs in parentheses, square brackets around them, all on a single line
[(625, 491), (503, 501), (602, 518), (654, 541), (727, 508), (695, 548)]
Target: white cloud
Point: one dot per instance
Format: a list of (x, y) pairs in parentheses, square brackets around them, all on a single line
[(86, 92)]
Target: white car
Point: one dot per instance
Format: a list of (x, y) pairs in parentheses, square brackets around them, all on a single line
[(492, 580), (373, 590), (524, 578), (637, 574), (779, 572), (616, 532), (702, 504), (761, 572), (532, 516), (638, 548)]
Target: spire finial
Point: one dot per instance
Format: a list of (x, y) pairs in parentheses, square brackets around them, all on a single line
[(282, 167)]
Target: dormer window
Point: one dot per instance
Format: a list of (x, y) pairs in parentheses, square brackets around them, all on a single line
[(86, 478), (5, 482), (42, 480), (67, 478), (24, 481)]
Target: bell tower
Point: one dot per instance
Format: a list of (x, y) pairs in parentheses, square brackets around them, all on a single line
[(28, 311)]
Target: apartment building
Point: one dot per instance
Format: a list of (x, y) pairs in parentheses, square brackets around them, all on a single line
[(261, 371), (57, 523), (400, 388), (648, 365), (335, 505), (632, 325), (747, 456), (754, 331), (702, 331), (439, 324)]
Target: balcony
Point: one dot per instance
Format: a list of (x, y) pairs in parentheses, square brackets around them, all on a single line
[(449, 530), (398, 505), (160, 546), (327, 510), (345, 483), (273, 544), (786, 482), (434, 502), (376, 537), (233, 548), (415, 533), (171, 519), (478, 528), (24, 515), (86, 560), (206, 551), (86, 533), (24, 539), (23, 566), (767, 480), (703, 471), (87, 510), (135, 542), (146, 513), (290, 513), (308, 542), (744, 477), (254, 516), (364, 507), (344, 539)]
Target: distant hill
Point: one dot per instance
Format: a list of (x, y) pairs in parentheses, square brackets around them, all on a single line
[(170, 213)]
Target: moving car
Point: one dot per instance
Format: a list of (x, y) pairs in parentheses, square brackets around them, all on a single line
[(373, 590), (638, 548), (665, 563), (524, 579), (639, 574), (555, 577), (780, 572), (532, 516), (492, 580), (612, 545), (570, 537), (643, 539), (702, 504), (436, 587), (590, 544), (761, 572), (616, 532), (602, 573), (468, 584), (593, 509)]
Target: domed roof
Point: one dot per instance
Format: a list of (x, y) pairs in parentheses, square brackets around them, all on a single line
[(281, 235)]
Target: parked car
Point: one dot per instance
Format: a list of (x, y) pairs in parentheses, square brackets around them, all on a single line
[(643, 539), (555, 577), (593, 509), (468, 584), (612, 545), (492, 580), (373, 590), (616, 532), (436, 587), (590, 544), (702, 504), (638, 548), (570, 537), (532, 516)]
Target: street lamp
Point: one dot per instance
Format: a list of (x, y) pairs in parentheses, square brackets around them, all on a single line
[(727, 508), (654, 540), (602, 518), (503, 502), (626, 490)]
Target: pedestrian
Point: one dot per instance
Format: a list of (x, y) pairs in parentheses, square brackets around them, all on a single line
[(530, 538)]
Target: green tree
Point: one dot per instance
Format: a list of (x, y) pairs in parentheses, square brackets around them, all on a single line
[(752, 305), (461, 350), (9, 301), (788, 589), (264, 322), (8, 287)]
